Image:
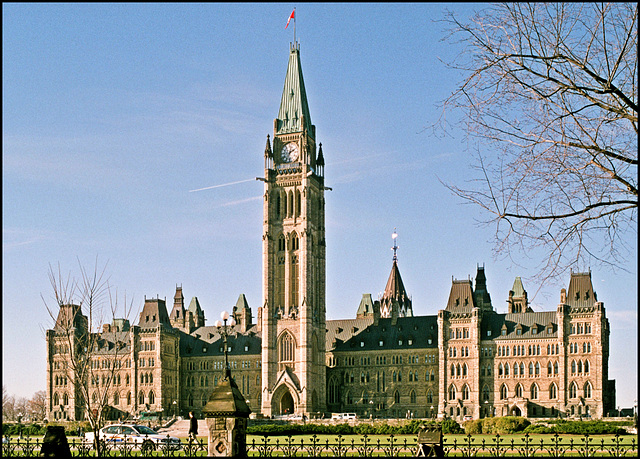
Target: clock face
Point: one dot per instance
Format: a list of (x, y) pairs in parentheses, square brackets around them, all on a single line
[(290, 152)]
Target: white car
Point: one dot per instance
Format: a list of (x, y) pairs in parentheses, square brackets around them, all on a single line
[(135, 435)]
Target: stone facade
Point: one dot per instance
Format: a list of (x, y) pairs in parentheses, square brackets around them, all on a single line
[(464, 360)]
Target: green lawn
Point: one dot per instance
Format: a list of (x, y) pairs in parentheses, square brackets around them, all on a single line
[(476, 439)]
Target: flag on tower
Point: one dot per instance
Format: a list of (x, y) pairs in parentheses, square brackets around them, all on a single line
[(290, 18)]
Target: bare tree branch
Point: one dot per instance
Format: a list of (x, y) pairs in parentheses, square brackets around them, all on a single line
[(550, 92)]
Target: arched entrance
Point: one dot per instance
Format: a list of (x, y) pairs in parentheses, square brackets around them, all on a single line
[(516, 411), (286, 403)]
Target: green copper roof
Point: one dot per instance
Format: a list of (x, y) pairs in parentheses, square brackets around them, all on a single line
[(294, 98), (518, 288)]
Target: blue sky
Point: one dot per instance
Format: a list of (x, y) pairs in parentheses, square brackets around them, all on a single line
[(112, 113)]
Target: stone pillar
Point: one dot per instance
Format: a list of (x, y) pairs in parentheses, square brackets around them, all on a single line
[(226, 414)]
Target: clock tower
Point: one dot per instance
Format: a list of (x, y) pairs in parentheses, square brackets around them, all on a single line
[(293, 258)]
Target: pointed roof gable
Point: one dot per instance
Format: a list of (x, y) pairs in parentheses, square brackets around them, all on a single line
[(366, 305), (518, 289), (194, 306), (241, 303), (293, 105)]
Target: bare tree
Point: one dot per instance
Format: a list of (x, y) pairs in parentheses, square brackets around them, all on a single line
[(87, 356), (550, 92), (8, 405), (37, 406)]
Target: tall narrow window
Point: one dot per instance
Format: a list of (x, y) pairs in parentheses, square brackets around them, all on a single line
[(485, 393), (286, 351), (573, 390), (553, 391), (587, 390)]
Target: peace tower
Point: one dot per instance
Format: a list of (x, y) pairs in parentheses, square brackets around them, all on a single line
[(293, 258)]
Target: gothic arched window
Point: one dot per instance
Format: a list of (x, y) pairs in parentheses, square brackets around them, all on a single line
[(519, 391), (413, 397), (485, 393), (503, 392), (587, 390), (534, 392), (452, 392), (286, 350), (553, 391), (465, 392), (573, 390)]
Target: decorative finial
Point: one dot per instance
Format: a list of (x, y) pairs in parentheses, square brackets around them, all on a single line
[(394, 236)]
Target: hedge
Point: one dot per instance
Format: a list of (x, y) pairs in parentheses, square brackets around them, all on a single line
[(578, 427), (448, 426)]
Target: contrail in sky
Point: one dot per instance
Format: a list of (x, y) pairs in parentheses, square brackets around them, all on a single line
[(224, 184)]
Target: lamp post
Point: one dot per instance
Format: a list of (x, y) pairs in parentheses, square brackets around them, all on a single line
[(175, 408), (619, 411), (433, 415), (635, 413), (223, 328)]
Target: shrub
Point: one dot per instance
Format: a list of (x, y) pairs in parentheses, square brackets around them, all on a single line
[(473, 427), (449, 426)]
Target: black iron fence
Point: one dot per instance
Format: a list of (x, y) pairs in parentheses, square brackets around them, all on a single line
[(361, 446)]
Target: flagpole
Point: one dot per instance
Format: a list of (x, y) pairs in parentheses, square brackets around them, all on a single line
[(294, 26)]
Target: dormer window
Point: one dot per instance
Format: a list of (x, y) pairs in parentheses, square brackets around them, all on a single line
[(503, 331), (577, 295), (457, 301), (399, 342), (534, 330), (488, 332), (586, 295), (361, 343)]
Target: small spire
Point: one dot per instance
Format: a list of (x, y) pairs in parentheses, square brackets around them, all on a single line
[(320, 161), (267, 150)]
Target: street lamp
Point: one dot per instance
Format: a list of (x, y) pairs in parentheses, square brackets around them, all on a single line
[(223, 328), (175, 408), (432, 413)]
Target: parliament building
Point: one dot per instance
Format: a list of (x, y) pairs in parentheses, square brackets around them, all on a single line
[(464, 361)]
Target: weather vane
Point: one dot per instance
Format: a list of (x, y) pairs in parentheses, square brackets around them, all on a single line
[(394, 236)]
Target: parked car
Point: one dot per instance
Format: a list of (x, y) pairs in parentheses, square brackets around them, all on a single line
[(136, 435)]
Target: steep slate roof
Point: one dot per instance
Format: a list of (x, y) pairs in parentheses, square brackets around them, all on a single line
[(207, 341), (460, 297), (395, 287), (294, 103), (580, 293), (154, 313), (367, 337), (527, 320)]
